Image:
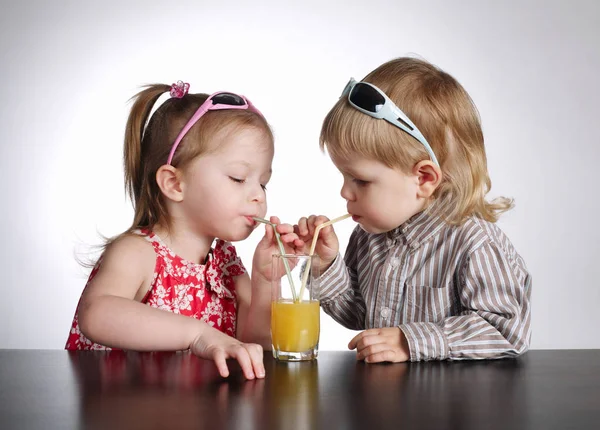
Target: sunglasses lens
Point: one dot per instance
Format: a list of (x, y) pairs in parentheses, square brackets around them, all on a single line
[(367, 98), (228, 99)]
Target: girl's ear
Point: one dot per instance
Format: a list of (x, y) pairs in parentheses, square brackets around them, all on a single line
[(169, 181), (429, 176)]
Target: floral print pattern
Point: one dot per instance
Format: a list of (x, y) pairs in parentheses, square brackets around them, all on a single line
[(202, 291)]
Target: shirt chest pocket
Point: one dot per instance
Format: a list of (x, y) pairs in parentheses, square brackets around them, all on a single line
[(429, 304)]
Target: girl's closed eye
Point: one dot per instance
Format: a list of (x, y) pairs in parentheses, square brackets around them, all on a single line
[(243, 181)]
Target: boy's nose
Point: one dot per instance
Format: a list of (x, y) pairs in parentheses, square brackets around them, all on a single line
[(346, 193)]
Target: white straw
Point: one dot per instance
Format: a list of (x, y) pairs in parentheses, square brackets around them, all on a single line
[(282, 252), (314, 244)]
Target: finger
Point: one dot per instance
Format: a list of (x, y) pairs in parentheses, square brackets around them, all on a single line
[(311, 224), (382, 356), (352, 344), (275, 220), (326, 233), (299, 243), (269, 232), (321, 219), (243, 358), (256, 357), (372, 349), (368, 341), (285, 228), (289, 237), (303, 226), (221, 363)]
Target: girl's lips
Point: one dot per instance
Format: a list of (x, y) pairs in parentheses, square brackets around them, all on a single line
[(355, 217), (250, 220)]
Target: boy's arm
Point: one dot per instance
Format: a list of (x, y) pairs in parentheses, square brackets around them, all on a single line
[(340, 294), (496, 317)]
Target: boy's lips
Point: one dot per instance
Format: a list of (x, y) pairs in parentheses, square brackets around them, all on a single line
[(354, 216)]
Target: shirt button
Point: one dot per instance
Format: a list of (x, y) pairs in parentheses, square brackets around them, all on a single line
[(388, 242), (385, 313), (395, 262)]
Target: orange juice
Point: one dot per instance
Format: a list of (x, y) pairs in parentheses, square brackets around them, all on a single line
[(295, 325)]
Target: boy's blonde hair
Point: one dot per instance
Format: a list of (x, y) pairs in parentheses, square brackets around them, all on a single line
[(441, 108)]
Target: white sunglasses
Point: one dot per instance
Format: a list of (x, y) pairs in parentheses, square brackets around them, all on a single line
[(370, 100)]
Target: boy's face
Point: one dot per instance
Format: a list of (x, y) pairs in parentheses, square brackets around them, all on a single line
[(379, 198)]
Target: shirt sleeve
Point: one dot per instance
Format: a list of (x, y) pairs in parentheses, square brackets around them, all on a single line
[(340, 293), (495, 295)]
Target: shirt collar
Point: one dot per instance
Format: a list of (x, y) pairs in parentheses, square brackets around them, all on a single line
[(422, 226)]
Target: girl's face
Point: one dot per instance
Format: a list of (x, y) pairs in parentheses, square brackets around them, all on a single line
[(224, 189), (378, 197)]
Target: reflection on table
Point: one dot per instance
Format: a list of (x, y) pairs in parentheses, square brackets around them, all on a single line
[(114, 390)]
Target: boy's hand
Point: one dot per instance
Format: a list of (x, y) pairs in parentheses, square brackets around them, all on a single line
[(214, 345), (327, 246), (380, 345), (262, 262)]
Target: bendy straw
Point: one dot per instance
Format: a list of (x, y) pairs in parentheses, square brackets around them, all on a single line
[(282, 252), (314, 244)]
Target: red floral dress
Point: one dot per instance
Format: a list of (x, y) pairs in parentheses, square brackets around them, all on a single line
[(202, 291)]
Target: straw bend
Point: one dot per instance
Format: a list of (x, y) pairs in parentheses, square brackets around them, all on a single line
[(282, 252), (314, 244)]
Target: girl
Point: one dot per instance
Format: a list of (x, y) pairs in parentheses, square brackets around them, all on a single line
[(427, 272), (196, 169)]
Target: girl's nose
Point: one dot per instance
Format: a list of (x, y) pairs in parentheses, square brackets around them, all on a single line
[(258, 194)]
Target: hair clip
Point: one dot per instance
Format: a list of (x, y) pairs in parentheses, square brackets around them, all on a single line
[(179, 89)]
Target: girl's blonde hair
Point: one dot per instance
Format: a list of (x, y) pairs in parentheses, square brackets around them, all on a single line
[(441, 108), (145, 151)]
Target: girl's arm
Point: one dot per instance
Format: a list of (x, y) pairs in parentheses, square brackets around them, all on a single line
[(254, 310), (254, 296), (111, 314)]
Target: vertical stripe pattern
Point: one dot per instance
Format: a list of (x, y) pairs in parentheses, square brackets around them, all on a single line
[(456, 292)]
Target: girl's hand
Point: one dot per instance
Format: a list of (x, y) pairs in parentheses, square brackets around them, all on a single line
[(262, 262), (217, 346), (327, 247), (378, 345)]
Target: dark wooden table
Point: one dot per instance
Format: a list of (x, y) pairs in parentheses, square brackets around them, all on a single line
[(116, 390)]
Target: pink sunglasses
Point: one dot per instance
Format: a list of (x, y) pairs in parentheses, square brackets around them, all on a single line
[(217, 101)]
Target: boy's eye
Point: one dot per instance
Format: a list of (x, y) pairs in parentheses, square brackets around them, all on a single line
[(360, 182), (264, 187)]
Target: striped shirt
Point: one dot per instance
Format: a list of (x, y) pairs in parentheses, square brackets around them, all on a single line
[(456, 292)]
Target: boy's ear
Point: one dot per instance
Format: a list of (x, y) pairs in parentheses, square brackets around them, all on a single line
[(429, 176), (169, 181)]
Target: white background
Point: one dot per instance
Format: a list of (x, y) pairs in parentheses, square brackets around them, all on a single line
[(68, 69)]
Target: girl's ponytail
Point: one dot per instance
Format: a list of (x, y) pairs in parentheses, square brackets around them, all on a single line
[(132, 150)]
